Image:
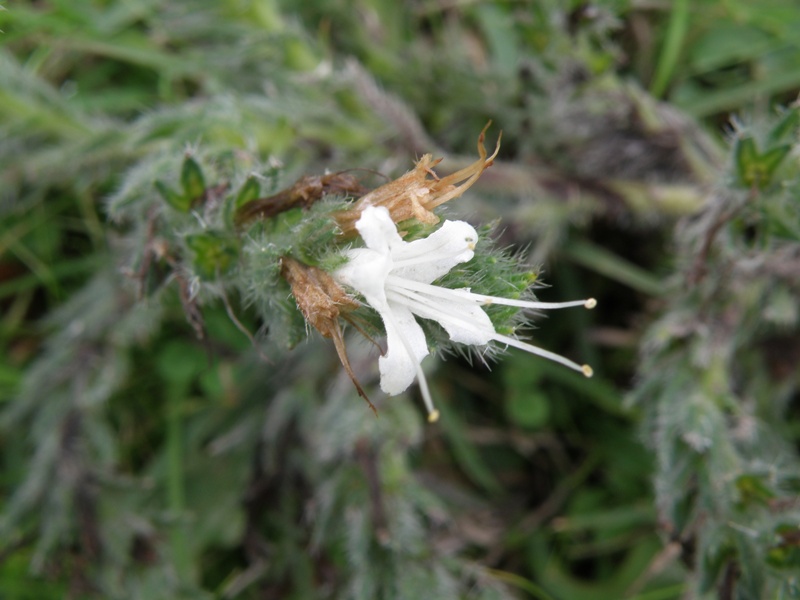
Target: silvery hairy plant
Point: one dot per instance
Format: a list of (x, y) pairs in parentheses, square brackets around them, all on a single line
[(209, 232), (378, 260), (718, 375)]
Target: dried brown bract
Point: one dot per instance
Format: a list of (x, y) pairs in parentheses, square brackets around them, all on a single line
[(303, 193), (322, 301), (415, 194)]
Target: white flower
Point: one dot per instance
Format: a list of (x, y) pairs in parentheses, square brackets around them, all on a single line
[(395, 278)]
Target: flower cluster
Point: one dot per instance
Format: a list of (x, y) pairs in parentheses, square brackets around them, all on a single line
[(407, 280)]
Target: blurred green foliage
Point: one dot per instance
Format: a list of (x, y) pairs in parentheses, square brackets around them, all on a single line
[(138, 461)]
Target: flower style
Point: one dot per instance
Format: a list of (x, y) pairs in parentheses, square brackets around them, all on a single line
[(396, 278)]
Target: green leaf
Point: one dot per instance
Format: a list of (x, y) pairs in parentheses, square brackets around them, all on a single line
[(752, 490), (754, 169), (785, 554), (715, 558), (173, 198), (194, 185), (785, 128), (214, 253), (600, 260), (771, 160), (728, 98), (746, 155), (250, 191), (673, 45)]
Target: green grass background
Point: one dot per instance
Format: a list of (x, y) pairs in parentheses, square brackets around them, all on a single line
[(137, 462)]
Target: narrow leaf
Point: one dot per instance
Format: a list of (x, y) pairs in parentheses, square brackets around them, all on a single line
[(213, 253), (746, 157), (173, 198), (194, 185), (250, 191)]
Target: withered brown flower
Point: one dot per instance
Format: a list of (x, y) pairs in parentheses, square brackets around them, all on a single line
[(415, 194)]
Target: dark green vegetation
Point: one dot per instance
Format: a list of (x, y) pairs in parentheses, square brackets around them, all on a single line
[(140, 461)]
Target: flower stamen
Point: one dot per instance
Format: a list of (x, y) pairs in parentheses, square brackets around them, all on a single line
[(429, 308), (441, 292), (585, 369)]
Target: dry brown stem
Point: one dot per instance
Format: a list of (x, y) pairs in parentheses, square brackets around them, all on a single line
[(303, 193)]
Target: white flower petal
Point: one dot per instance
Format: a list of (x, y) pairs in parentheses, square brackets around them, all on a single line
[(378, 230), (430, 258), (406, 347), (395, 279), (463, 320), (366, 271)]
